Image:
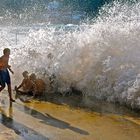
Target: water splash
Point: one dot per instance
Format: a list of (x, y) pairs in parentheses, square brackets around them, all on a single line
[(101, 58)]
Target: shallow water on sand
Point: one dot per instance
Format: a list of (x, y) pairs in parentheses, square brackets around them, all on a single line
[(66, 118)]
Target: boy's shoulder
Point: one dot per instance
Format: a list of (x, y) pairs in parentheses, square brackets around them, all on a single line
[(2, 57), (25, 79), (40, 80)]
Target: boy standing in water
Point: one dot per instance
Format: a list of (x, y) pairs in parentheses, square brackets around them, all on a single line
[(4, 73)]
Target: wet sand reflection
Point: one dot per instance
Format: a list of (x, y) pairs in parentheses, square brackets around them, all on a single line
[(20, 129), (50, 120)]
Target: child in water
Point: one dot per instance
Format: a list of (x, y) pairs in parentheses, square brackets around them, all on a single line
[(4, 72), (31, 85), (39, 85), (26, 85)]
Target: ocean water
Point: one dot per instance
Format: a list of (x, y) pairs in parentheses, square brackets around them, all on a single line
[(100, 57)]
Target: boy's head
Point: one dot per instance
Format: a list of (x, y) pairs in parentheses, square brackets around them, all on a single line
[(25, 74), (33, 76), (6, 51)]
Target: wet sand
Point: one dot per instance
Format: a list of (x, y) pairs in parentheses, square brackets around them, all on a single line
[(66, 118)]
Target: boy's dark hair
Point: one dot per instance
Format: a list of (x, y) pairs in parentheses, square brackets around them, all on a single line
[(6, 50), (33, 76), (25, 72)]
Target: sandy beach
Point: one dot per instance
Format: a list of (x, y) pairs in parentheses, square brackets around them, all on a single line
[(39, 120)]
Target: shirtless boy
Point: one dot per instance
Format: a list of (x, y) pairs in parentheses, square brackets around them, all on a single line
[(4, 73), (39, 85), (26, 85)]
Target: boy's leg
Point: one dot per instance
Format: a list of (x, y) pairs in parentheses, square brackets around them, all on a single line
[(8, 82), (2, 83), (10, 93), (1, 88)]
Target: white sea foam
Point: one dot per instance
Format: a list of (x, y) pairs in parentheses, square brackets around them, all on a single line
[(100, 58)]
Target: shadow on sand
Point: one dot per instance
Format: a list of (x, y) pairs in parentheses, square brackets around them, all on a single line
[(20, 129), (50, 120)]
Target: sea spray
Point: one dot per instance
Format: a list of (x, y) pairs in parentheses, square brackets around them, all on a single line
[(100, 58)]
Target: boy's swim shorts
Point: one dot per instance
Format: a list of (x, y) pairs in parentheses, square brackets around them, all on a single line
[(4, 77)]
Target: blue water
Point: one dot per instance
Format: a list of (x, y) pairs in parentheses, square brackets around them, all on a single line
[(15, 12)]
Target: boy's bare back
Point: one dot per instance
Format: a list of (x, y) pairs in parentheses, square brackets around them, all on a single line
[(4, 62), (27, 85)]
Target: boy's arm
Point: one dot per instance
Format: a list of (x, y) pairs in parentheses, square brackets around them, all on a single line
[(9, 67), (21, 84)]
